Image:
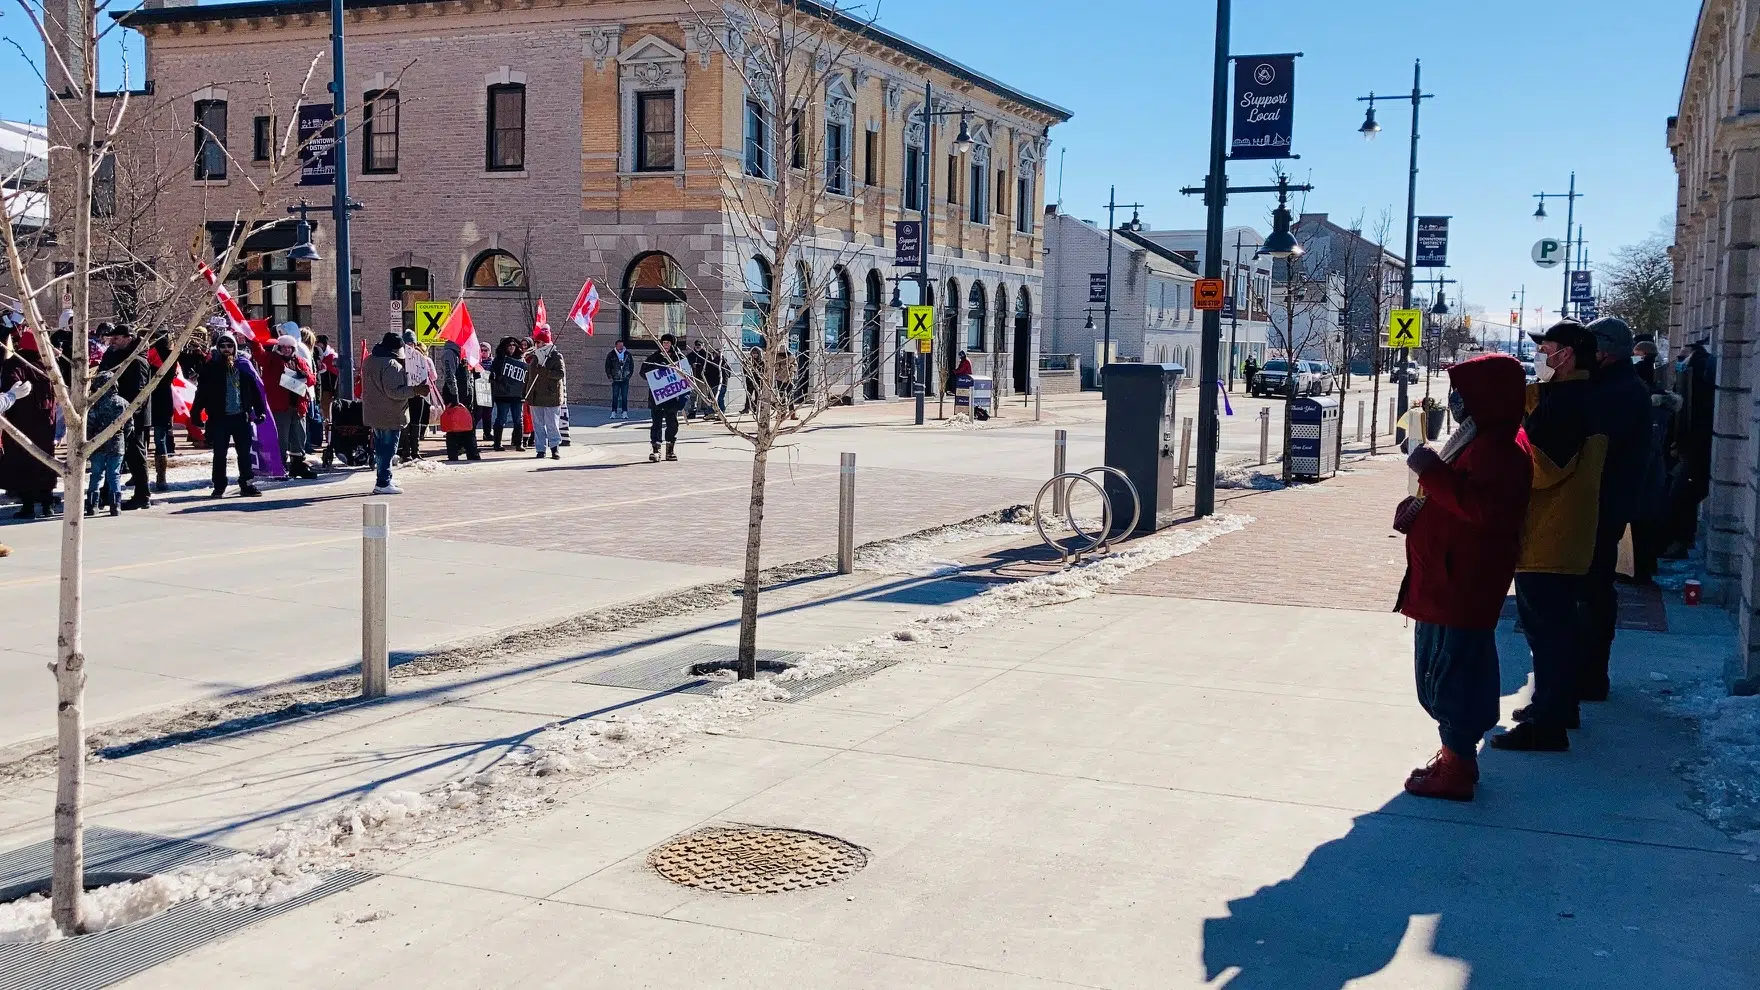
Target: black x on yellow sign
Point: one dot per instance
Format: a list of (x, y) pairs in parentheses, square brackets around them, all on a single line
[(1405, 328), (919, 322), (430, 320)]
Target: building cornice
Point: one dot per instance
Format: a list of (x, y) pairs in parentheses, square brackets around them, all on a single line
[(878, 42)]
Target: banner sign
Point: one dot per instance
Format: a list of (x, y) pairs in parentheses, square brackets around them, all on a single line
[(1588, 312), (671, 383), (1432, 249), (1264, 106), (317, 143), (1228, 310), (1097, 287), (907, 240), (1582, 287)]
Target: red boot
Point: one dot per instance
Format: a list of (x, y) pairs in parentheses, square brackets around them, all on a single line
[(1449, 776)]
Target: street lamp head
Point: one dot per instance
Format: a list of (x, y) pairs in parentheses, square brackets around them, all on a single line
[(963, 143), (897, 300), (1540, 213), (302, 249), (1370, 129), (1281, 243), (1441, 307), (1136, 223), (1090, 324)]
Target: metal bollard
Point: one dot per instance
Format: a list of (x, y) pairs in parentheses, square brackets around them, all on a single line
[(1059, 450), (1185, 451), (1036, 405), (375, 590), (1393, 414), (1359, 420), (846, 515), (1264, 435)]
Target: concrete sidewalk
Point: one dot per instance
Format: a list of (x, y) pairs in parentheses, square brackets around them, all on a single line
[(1169, 787)]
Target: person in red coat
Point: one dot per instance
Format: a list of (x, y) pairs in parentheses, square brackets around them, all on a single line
[(1463, 537)]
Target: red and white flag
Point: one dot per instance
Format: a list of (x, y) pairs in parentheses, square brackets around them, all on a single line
[(542, 320), (585, 308), (229, 306), (460, 330)]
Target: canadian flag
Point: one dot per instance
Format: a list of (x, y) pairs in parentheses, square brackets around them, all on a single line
[(460, 330), (234, 316), (585, 308), (542, 320), (183, 395)]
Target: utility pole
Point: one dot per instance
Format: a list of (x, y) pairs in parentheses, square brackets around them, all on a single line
[(1112, 207), (1234, 326), (340, 209)]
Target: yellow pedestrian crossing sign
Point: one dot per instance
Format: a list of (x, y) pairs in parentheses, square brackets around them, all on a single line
[(919, 322), (430, 319), (1405, 328)]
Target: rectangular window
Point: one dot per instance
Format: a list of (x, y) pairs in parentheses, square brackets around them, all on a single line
[(913, 178), (656, 132), (871, 159), (262, 138), (380, 123), (1024, 203), (953, 178), (797, 148), (757, 141), (507, 128), (210, 128), (104, 186), (354, 292), (837, 158), (980, 200), (1002, 192)]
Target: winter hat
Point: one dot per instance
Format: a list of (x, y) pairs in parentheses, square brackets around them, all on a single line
[(540, 336), (287, 340), (1613, 336), (391, 340), (409, 336)]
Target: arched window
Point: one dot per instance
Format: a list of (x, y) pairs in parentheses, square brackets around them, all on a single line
[(495, 269), (977, 318), (757, 302), (837, 335), (1023, 307), (653, 297), (1001, 328), (800, 324)]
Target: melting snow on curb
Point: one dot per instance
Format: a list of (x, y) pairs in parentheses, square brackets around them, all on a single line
[(1725, 779), (528, 778)]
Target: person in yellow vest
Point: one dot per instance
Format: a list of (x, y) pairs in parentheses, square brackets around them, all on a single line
[(1558, 537)]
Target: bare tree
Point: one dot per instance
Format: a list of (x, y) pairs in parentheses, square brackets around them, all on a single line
[(1638, 284), (106, 180), (1380, 295), (789, 55)]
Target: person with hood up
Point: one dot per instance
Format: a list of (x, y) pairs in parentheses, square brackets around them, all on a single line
[(1558, 537), (386, 392), (125, 359), (232, 396), (420, 368), (544, 374), (507, 386), (105, 466), (290, 381), (458, 388), (1463, 532)]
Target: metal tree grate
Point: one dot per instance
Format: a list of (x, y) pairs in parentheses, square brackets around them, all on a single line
[(91, 962), (750, 860), (671, 672)]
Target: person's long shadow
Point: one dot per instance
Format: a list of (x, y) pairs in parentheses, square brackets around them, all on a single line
[(1570, 870)]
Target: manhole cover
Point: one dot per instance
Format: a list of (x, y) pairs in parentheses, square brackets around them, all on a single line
[(756, 860)]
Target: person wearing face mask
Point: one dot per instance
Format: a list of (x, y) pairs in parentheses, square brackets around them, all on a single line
[(231, 394), (545, 372), (1463, 534), (1558, 533)]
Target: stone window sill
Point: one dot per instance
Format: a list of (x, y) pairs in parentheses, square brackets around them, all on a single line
[(505, 174), (398, 176)]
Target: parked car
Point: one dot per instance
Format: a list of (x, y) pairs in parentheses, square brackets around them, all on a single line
[(1328, 378), (1412, 374), (1273, 378)]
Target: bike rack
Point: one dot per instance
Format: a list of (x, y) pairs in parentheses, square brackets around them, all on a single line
[(1097, 542)]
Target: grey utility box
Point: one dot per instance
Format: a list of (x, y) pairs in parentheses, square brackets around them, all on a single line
[(1313, 438), (1142, 440)]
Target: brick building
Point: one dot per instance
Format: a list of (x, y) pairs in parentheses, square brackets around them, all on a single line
[(515, 148)]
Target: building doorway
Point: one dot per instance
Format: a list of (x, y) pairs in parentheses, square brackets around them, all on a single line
[(1023, 342)]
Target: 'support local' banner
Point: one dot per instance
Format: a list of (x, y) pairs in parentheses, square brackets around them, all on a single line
[(1264, 106)]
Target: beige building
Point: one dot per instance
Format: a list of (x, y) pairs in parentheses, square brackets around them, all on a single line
[(1716, 144), (516, 148)]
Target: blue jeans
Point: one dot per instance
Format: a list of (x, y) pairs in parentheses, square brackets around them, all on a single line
[(384, 452), (509, 412), (546, 427), (1547, 605), (163, 441), (620, 396), (1457, 682), (107, 467)]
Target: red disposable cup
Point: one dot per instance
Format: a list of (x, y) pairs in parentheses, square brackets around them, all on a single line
[(1693, 592)]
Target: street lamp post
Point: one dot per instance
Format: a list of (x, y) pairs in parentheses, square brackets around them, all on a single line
[(1369, 130), (340, 208), (1234, 325), (1112, 208), (961, 144), (1570, 219)]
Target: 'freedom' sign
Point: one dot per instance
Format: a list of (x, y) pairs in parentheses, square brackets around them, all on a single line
[(1264, 106), (670, 383)]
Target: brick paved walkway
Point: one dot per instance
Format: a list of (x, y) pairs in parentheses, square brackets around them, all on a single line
[(1327, 545)]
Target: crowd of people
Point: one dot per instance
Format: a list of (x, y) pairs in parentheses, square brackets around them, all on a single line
[(1539, 484)]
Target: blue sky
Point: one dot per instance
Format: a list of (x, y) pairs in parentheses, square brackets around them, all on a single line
[(1525, 93)]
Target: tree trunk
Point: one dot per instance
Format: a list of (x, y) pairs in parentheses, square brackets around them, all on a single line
[(748, 610), (1375, 401), (70, 728)]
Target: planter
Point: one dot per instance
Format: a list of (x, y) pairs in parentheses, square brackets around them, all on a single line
[(1433, 423)]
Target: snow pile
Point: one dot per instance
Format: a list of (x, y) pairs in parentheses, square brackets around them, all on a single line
[(918, 554), (1243, 476), (960, 421), (1725, 781)]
